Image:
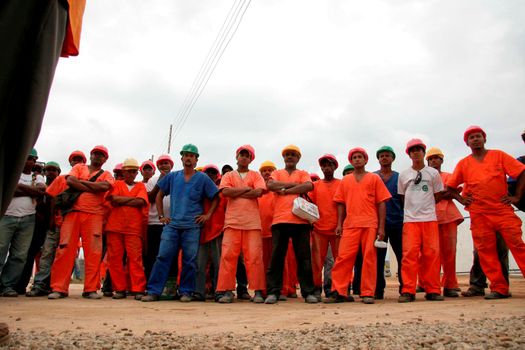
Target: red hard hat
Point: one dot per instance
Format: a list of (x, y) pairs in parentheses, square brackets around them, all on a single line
[(357, 150), (330, 157), (165, 157), (148, 162), (211, 166), (101, 149), (471, 129), (118, 167), (314, 177), (246, 148), (77, 153), (415, 142)]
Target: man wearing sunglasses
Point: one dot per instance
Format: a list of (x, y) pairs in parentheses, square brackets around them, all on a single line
[(484, 174), (420, 187)]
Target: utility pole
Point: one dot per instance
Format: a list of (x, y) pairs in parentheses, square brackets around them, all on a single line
[(169, 141)]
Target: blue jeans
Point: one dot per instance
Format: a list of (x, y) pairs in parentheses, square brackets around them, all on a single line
[(172, 240), (42, 277), (16, 234)]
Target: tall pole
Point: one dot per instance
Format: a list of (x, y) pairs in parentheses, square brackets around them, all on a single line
[(169, 141)]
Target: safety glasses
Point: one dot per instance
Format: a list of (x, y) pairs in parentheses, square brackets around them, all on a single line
[(418, 178)]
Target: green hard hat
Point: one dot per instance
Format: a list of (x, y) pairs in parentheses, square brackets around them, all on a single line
[(348, 167), (189, 148), (386, 149), (33, 153), (52, 164)]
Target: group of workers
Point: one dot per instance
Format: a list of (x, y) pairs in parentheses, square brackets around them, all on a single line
[(213, 233)]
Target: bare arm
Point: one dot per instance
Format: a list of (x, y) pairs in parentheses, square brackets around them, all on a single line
[(254, 193), (299, 188), (127, 201), (341, 214), (277, 186), (95, 187), (160, 207), (30, 191), (381, 215), (234, 192), (519, 191), (75, 183)]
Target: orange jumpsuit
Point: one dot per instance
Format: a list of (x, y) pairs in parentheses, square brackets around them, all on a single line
[(242, 232), (485, 182), (324, 229), (266, 213), (124, 230), (359, 230), (85, 222)]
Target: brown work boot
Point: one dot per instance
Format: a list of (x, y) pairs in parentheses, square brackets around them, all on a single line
[(473, 292)]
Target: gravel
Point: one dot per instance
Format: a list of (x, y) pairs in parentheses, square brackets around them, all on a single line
[(504, 333)]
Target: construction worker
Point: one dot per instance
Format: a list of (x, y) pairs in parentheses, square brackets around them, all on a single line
[(147, 170), (361, 211), (17, 227), (266, 210), (42, 279), (288, 184), (85, 222), (117, 172), (448, 217), (421, 188), (323, 234), (124, 231), (485, 196), (187, 189), (349, 169), (242, 227)]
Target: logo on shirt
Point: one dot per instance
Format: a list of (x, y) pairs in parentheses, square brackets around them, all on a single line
[(424, 188)]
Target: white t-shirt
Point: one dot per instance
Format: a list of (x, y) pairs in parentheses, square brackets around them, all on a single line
[(23, 206), (153, 217), (420, 205)]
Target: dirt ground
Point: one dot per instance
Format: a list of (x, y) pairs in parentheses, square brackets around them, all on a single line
[(75, 314)]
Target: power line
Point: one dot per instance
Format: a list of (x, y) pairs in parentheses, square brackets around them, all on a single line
[(212, 59)]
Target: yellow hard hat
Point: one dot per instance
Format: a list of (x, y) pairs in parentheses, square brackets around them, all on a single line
[(293, 148), (434, 151), (199, 168), (267, 164), (130, 163)]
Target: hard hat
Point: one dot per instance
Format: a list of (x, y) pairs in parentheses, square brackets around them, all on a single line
[(33, 153), (471, 129), (189, 148), (52, 164), (130, 163), (292, 148), (330, 157), (102, 149), (348, 167), (434, 151), (247, 148), (165, 157), (267, 164), (77, 154), (118, 167), (211, 166), (314, 177), (386, 149), (148, 162), (357, 150), (413, 143)]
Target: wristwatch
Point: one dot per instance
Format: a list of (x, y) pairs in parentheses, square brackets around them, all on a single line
[(161, 217), (283, 190)]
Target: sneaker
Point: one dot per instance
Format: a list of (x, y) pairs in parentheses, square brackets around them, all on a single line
[(227, 298), (473, 292), (150, 297), (434, 297), (368, 300), (496, 295), (138, 296), (119, 295), (450, 293), (107, 294), (258, 297), (271, 299), (244, 296), (35, 292), (197, 297), (56, 295), (185, 298), (10, 293), (91, 295), (283, 297), (311, 299), (406, 298), (317, 294), (335, 298)]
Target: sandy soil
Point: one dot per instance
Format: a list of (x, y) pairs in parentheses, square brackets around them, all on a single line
[(75, 314)]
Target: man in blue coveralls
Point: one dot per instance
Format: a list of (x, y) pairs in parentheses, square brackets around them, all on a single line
[(187, 189)]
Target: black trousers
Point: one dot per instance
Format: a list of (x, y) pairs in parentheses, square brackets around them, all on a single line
[(31, 37), (300, 236), (152, 250)]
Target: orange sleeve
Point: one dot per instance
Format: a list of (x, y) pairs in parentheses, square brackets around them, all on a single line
[(456, 178), (339, 196), (57, 186), (258, 181), (71, 44), (512, 166), (382, 193), (226, 181), (106, 176), (76, 171), (142, 192)]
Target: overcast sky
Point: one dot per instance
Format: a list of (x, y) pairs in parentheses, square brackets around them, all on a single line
[(324, 75)]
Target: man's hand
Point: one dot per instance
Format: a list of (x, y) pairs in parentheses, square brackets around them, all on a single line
[(164, 220), (467, 200), (510, 200), (338, 231), (381, 234), (201, 219)]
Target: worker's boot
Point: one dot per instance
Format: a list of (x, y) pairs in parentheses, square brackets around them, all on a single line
[(258, 297)]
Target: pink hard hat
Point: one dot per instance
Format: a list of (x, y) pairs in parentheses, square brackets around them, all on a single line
[(118, 167), (165, 157), (246, 148), (357, 150), (102, 149), (77, 153), (471, 129), (415, 142), (148, 162), (329, 157)]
